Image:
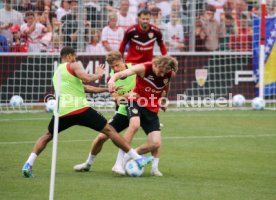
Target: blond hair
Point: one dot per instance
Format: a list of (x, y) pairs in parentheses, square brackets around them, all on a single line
[(168, 62), (112, 16), (113, 56)]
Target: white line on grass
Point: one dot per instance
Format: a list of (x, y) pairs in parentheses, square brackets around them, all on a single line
[(164, 138), (24, 119)]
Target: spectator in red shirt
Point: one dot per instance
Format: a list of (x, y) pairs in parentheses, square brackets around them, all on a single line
[(18, 44), (241, 40), (141, 38)]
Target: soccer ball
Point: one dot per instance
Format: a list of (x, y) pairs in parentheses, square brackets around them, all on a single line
[(50, 105), (258, 103), (16, 100), (132, 169), (238, 100)]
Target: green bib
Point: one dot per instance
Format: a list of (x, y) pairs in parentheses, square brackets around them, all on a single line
[(72, 95), (127, 85)]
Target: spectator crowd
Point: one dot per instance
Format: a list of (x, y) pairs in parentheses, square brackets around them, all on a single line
[(99, 25)]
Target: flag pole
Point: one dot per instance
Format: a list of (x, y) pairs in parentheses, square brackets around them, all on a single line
[(262, 50), (55, 139)]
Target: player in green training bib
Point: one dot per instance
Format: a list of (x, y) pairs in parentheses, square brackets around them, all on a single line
[(75, 110), (120, 120)]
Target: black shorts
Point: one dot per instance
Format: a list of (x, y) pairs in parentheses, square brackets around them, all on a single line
[(119, 122), (149, 120), (89, 118)]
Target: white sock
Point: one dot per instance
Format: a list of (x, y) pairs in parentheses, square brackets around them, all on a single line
[(133, 154), (126, 158), (155, 163), (31, 159), (120, 157), (91, 158)]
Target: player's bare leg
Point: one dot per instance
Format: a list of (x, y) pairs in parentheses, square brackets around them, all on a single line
[(117, 140), (134, 125), (154, 168), (120, 142), (96, 148), (39, 146), (107, 132), (152, 145), (42, 142)]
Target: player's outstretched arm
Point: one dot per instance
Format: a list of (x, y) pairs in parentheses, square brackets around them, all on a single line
[(136, 69), (93, 89), (84, 76)]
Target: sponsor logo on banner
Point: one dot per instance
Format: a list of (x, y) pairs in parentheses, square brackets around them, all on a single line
[(150, 35), (201, 76)]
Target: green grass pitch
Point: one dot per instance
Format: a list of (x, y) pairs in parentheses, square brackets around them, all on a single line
[(212, 155)]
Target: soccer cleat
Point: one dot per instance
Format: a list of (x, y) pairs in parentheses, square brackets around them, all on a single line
[(144, 161), (118, 170), (84, 167), (155, 172), (27, 170)]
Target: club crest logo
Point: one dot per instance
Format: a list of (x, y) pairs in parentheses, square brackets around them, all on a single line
[(134, 110), (165, 81), (150, 35), (201, 76)]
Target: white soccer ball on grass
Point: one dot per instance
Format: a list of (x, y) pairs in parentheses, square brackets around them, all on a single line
[(258, 103), (238, 100), (16, 101), (132, 169)]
